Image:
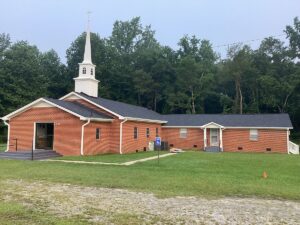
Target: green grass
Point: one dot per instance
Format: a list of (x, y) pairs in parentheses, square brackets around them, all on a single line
[(187, 174), (12, 213), (112, 158)]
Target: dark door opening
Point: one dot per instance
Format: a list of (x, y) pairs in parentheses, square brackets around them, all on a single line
[(44, 136)]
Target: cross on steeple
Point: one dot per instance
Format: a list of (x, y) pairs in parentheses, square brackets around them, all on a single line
[(88, 17)]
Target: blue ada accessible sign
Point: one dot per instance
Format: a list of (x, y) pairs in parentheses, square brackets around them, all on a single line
[(157, 141)]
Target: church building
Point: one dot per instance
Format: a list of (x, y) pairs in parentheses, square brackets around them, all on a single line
[(82, 123)]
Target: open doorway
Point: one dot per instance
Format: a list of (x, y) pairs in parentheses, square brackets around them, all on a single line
[(44, 136)]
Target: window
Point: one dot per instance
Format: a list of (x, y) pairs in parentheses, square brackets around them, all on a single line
[(83, 70), (147, 132), (92, 71), (253, 135), (135, 133), (98, 133), (183, 133), (156, 132)]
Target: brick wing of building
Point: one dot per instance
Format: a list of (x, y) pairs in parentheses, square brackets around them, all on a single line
[(81, 123)]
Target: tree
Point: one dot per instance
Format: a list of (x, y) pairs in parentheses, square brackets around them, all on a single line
[(56, 74), (293, 34), (22, 75)]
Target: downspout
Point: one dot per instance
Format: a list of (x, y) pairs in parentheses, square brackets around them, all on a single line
[(121, 135), (287, 140), (8, 135), (82, 136)]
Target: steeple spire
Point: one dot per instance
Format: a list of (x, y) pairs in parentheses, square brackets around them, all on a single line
[(86, 82), (87, 59)]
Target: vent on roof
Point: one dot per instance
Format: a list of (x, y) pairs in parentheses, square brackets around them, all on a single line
[(240, 148)]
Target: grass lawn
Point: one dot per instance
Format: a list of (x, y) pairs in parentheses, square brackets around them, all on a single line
[(188, 174), (16, 214), (113, 158)]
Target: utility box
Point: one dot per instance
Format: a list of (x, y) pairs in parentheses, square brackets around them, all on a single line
[(151, 146)]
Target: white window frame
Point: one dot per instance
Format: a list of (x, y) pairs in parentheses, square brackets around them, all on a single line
[(253, 134), (99, 133), (137, 133), (183, 133)]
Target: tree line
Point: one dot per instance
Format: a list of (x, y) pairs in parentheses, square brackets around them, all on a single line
[(134, 67)]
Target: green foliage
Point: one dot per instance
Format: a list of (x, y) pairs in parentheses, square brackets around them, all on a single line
[(134, 67)]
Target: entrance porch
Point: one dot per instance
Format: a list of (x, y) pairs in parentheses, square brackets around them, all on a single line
[(213, 137)]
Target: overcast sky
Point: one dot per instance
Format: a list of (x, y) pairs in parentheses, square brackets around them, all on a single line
[(56, 23)]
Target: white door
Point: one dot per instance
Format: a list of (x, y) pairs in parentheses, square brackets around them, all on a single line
[(214, 137)]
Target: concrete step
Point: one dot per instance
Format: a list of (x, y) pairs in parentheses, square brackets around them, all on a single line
[(213, 149), (27, 155)]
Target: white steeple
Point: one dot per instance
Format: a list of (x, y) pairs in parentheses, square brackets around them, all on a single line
[(87, 50), (86, 82)]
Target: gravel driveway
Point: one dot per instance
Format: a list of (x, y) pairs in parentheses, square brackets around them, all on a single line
[(100, 205)]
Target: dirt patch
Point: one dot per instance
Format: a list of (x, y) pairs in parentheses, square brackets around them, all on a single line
[(104, 205)]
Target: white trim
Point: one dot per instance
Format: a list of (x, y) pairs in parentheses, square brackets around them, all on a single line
[(82, 137), (221, 139), (273, 128), (213, 124), (34, 136), (115, 114), (121, 135), (8, 135), (145, 120), (101, 107), (181, 127), (205, 138), (98, 119), (287, 140), (28, 106)]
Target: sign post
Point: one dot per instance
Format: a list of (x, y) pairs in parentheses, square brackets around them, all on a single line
[(158, 144)]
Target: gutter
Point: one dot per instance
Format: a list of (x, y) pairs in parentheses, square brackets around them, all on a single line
[(121, 134), (82, 136), (8, 135)]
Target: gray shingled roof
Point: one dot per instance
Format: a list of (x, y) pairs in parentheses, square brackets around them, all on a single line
[(230, 120), (78, 109), (124, 109), (227, 120)]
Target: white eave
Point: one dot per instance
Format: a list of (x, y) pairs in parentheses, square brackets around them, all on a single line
[(30, 105), (145, 120), (113, 113), (91, 102)]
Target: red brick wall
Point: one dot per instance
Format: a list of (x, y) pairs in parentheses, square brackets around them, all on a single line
[(232, 139), (194, 137), (67, 129), (92, 146), (130, 144), (274, 139)]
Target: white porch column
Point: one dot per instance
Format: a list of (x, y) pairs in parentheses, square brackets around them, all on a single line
[(205, 139), (221, 139)]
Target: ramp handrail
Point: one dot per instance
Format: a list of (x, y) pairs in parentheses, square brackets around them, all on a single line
[(293, 148)]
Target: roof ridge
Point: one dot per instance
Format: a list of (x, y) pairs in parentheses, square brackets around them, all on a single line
[(129, 104)]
